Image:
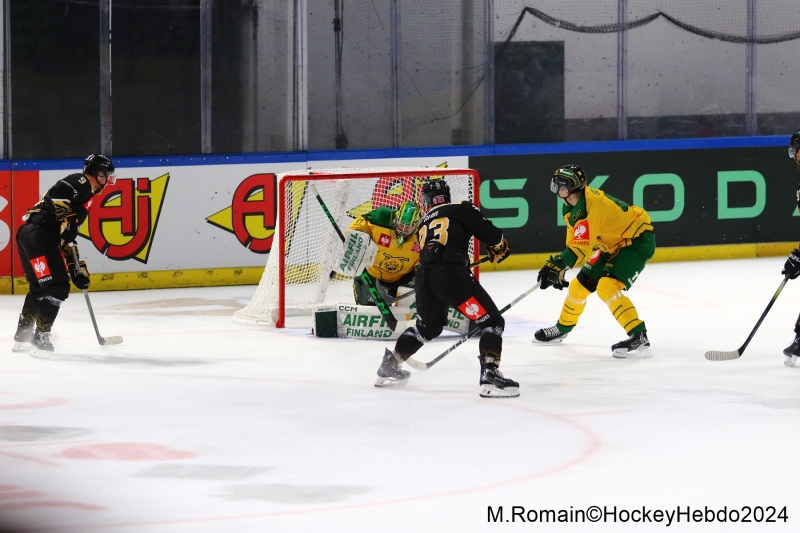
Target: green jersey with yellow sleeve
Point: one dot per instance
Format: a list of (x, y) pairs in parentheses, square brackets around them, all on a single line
[(600, 221)]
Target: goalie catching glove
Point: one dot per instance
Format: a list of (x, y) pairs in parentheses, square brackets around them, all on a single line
[(77, 271), (498, 252), (552, 273), (791, 269)]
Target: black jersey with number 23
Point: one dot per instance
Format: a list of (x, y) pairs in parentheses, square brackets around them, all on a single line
[(446, 230)]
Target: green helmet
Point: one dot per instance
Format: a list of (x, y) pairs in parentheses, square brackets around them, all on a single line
[(406, 220)]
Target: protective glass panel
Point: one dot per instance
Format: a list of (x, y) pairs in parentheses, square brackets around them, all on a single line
[(55, 94), (556, 71), (155, 69)]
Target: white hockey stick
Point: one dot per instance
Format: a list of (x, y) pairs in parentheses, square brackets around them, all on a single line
[(104, 341), (422, 367), (736, 354)]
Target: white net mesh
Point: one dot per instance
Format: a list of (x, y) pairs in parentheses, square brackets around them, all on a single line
[(311, 243)]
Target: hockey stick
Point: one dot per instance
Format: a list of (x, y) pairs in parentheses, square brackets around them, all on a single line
[(104, 341), (391, 299), (391, 321), (727, 356), (422, 367)]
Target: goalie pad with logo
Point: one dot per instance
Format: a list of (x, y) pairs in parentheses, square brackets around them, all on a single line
[(358, 253)]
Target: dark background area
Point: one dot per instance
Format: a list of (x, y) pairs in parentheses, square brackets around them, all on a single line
[(698, 225)]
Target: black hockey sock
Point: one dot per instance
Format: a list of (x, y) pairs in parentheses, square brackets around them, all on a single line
[(48, 311), (409, 343), (491, 344), (30, 311)]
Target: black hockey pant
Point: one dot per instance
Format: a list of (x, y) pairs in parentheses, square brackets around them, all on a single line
[(46, 272), (443, 285)]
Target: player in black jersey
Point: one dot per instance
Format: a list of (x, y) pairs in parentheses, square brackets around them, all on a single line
[(792, 266), (44, 247), (444, 279)]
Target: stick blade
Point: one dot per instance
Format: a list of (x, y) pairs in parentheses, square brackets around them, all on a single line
[(111, 341), (722, 356), (416, 365)]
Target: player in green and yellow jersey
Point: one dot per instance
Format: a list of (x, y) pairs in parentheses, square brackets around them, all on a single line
[(394, 232), (611, 241)]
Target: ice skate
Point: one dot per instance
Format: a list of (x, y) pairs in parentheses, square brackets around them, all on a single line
[(23, 338), (494, 384), (551, 335), (390, 373), (792, 352), (41, 345), (635, 344)]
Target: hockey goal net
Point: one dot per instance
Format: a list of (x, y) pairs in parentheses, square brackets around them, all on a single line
[(299, 266)]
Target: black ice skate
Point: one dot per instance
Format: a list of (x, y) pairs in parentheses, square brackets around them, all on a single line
[(792, 352), (635, 344), (390, 373), (494, 385), (551, 335), (23, 337), (41, 343)]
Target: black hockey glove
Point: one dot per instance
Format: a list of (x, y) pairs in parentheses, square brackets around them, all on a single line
[(77, 271), (791, 268), (552, 273), (498, 252)]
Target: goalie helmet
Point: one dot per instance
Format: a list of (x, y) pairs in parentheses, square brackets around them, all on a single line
[(406, 220), (794, 147), (569, 177), (95, 163), (435, 192)]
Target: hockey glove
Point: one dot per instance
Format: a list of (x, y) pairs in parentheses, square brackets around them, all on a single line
[(552, 273), (791, 269), (77, 271), (498, 252)]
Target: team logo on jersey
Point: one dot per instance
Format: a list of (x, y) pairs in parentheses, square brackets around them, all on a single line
[(472, 309), (595, 256), (384, 240), (416, 249), (580, 233), (123, 221), (392, 264), (41, 268)]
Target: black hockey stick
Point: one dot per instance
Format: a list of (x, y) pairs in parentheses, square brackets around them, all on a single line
[(104, 341), (391, 299), (727, 356), (391, 321), (422, 367)]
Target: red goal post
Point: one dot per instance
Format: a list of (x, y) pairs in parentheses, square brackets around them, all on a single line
[(301, 276)]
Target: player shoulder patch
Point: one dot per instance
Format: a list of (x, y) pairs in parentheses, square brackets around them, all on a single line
[(384, 240)]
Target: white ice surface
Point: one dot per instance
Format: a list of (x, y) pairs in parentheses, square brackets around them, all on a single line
[(199, 424)]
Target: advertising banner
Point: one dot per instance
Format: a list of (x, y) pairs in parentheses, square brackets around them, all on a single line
[(694, 197), (175, 225)]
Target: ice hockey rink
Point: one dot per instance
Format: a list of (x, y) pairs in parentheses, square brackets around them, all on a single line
[(199, 424)]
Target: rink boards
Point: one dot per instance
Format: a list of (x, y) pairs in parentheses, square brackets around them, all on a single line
[(203, 221)]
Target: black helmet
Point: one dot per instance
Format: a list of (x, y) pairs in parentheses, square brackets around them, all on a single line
[(435, 192), (94, 163), (570, 177), (794, 146)]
